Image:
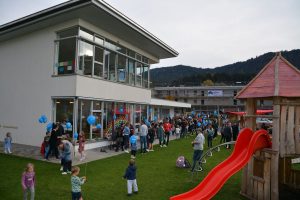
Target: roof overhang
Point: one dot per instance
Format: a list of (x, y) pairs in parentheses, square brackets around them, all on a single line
[(166, 103), (96, 12)]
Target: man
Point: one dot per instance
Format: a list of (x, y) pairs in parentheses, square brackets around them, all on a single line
[(66, 148), (228, 134), (126, 132), (143, 137), (53, 142), (198, 148), (235, 131)]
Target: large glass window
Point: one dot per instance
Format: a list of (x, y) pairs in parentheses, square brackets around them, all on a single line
[(85, 58), (121, 68), (131, 72), (138, 77), (64, 112), (66, 56), (93, 55), (84, 110), (98, 63)]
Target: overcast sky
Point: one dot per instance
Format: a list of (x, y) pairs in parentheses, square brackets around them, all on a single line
[(206, 33)]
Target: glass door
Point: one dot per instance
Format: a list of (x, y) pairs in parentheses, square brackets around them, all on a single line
[(97, 132)]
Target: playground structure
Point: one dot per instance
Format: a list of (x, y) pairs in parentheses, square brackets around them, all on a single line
[(269, 169)]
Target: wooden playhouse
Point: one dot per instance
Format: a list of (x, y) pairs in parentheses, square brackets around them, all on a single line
[(269, 172)]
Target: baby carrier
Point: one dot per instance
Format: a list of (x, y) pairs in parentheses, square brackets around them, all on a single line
[(182, 162)]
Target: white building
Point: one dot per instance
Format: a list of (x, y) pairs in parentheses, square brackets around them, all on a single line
[(72, 60)]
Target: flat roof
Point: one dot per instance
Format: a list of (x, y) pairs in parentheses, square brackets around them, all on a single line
[(200, 87), (92, 11), (167, 103)]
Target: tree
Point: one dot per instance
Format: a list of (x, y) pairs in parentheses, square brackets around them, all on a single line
[(208, 82)]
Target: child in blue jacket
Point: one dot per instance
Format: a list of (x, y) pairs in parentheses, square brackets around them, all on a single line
[(130, 175)]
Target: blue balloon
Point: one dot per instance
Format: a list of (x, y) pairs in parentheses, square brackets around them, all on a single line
[(91, 119), (98, 126), (121, 110), (155, 118), (198, 124), (41, 120), (44, 118), (68, 125), (75, 135), (115, 117), (49, 126)]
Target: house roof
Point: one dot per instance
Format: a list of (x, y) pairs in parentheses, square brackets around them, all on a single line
[(278, 78), (111, 20)]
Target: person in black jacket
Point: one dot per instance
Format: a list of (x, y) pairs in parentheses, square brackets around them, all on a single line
[(235, 131), (227, 134), (53, 142), (130, 175)]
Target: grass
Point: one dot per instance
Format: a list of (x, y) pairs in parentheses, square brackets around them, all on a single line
[(157, 176)]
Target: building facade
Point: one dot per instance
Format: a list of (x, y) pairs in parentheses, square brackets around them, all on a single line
[(73, 60), (203, 98)]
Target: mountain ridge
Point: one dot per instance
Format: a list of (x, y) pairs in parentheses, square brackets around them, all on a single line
[(242, 71)]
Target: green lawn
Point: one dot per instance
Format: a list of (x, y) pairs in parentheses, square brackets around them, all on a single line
[(157, 176)]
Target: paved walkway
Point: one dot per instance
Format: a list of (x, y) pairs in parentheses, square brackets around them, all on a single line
[(92, 154)]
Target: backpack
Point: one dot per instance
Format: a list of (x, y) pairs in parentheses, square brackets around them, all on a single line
[(182, 162)]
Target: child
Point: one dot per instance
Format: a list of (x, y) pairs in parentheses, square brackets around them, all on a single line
[(76, 183), (81, 140), (130, 175), (7, 143), (66, 148), (133, 145), (28, 181)]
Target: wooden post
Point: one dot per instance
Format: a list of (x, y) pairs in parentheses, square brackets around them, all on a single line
[(275, 148), (282, 135), (267, 184), (290, 131), (297, 130)]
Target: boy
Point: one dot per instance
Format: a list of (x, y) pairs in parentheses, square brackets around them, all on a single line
[(130, 175)]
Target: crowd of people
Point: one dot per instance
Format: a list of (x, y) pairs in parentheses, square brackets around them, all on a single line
[(61, 146)]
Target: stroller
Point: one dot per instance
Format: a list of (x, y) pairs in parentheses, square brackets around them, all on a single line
[(182, 162)]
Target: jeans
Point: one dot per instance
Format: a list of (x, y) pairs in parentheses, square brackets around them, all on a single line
[(209, 141), (143, 143), (67, 165), (131, 183), (196, 157), (31, 190), (167, 137), (126, 141)]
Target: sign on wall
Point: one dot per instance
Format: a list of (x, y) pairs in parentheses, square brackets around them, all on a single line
[(215, 93)]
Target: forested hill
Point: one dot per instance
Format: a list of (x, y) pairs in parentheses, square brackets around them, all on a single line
[(224, 75)]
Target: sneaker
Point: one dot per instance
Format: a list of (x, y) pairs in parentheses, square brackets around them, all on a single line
[(126, 151), (164, 145), (9, 152), (151, 150), (160, 145), (147, 150), (132, 156), (64, 173), (69, 172), (61, 168)]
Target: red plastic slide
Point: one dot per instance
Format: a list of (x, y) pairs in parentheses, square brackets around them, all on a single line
[(247, 143)]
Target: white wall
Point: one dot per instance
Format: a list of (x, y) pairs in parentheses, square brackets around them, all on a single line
[(90, 87), (26, 85)]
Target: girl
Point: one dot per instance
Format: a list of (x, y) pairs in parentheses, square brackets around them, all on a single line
[(177, 132), (76, 183), (81, 140), (7, 143), (28, 181)]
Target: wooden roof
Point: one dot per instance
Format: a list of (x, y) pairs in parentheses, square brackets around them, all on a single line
[(277, 78)]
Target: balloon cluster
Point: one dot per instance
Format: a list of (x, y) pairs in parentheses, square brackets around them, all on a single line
[(49, 127), (68, 125), (43, 119)]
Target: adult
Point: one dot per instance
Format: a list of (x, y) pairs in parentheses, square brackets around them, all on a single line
[(126, 133), (235, 131), (210, 135), (66, 148), (161, 134), (53, 141), (167, 128), (198, 148), (143, 137), (227, 134), (215, 127), (151, 135)]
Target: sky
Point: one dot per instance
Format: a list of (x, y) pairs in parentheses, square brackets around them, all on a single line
[(206, 33)]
